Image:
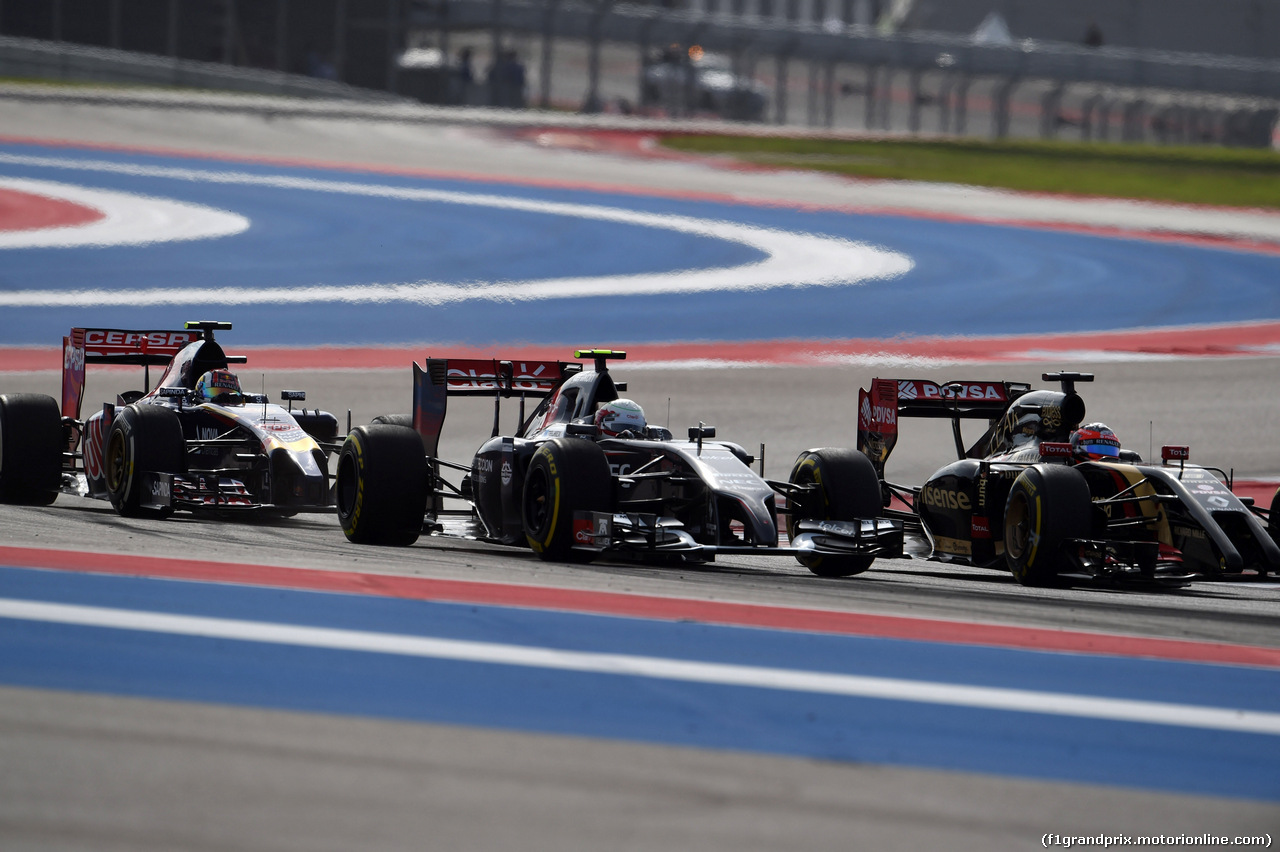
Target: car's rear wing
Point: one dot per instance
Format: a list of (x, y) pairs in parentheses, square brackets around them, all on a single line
[(888, 399), (445, 377), (143, 348)]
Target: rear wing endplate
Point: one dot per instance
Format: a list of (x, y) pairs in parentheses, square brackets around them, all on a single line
[(85, 346), (445, 377), (888, 399)]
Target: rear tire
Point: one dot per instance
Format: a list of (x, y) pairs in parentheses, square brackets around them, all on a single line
[(1273, 517), (847, 488), (1047, 504), (393, 420), (30, 449), (566, 475), (142, 439), (383, 482)]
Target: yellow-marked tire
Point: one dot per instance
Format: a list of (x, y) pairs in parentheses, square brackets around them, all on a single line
[(142, 439), (30, 449), (845, 488), (1047, 505), (383, 482), (565, 475)]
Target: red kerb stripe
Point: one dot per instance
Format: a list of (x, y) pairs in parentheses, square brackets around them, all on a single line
[(646, 606)]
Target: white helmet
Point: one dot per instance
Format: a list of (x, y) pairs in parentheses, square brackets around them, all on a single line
[(621, 415)]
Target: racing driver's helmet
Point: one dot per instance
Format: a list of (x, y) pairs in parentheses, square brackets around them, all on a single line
[(1025, 431), (620, 416), (1095, 441), (220, 386)]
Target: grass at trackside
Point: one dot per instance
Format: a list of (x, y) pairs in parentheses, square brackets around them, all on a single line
[(1195, 175)]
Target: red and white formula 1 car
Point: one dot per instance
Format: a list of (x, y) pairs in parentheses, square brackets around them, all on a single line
[(195, 441)]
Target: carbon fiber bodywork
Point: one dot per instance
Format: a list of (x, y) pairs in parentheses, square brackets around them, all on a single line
[(687, 499), (1147, 523)]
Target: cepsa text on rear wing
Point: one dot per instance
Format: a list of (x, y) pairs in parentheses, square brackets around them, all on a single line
[(146, 348)]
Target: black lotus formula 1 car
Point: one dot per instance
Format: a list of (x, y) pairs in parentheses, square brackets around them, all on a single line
[(1020, 498), (583, 475), (195, 441)]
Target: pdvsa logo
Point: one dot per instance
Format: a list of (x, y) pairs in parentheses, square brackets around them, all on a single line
[(976, 391), (73, 359)]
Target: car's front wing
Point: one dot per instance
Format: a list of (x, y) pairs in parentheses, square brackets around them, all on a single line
[(650, 534)]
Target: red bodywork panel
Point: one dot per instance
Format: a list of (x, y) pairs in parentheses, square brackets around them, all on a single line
[(85, 346)]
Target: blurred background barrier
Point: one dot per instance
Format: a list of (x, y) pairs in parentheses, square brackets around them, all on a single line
[(1114, 71)]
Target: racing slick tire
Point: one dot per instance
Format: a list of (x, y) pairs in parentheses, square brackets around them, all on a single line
[(847, 489), (383, 483), (1273, 517), (565, 475), (394, 420), (1047, 504), (30, 449), (142, 439)]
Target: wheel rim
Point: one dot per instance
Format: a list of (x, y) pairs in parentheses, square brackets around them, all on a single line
[(536, 495), (346, 490), (1017, 525), (806, 512), (116, 463)]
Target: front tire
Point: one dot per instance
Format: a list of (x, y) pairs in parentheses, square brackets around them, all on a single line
[(565, 475), (846, 487), (30, 449), (142, 439), (1047, 505), (383, 482)]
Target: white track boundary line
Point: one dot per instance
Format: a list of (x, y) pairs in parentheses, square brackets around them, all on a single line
[(626, 665), (791, 259)]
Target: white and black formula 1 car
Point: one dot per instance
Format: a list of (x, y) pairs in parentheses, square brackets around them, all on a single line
[(584, 475), (195, 441), (1030, 497)]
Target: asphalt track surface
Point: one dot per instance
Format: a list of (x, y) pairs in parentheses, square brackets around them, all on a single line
[(102, 753)]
